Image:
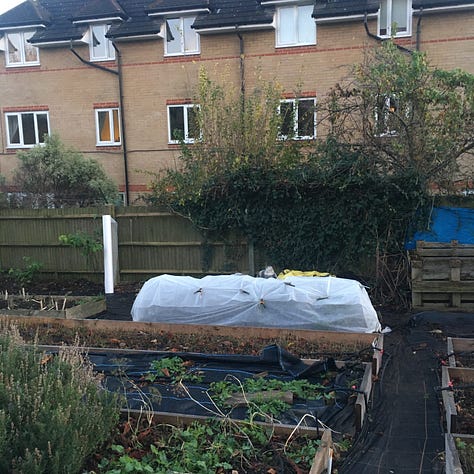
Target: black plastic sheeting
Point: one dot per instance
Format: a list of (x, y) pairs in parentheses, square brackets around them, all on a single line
[(125, 372), (404, 431)]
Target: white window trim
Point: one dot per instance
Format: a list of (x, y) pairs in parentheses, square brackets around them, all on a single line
[(296, 136), (110, 111), (382, 121), (20, 128), (23, 62), (389, 26), (186, 138), (278, 28), (182, 52), (110, 54)]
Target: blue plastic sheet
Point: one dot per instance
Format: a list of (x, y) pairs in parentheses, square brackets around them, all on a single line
[(447, 224)]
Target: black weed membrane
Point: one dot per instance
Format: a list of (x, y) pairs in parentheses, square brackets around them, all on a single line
[(274, 385)]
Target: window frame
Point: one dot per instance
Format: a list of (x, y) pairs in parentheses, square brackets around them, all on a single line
[(387, 105), (296, 118), (296, 18), (110, 111), (388, 26), (110, 50), (182, 51), (186, 137), (21, 132), (24, 43)]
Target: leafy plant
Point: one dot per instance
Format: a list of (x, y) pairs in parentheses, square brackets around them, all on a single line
[(53, 413), (86, 243), (24, 276), (466, 454), (173, 368), (54, 175)]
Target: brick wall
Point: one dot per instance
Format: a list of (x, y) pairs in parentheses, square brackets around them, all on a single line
[(69, 88)]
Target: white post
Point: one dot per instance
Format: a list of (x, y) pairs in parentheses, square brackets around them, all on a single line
[(111, 263)]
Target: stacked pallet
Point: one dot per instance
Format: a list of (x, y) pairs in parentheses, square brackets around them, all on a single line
[(442, 276)]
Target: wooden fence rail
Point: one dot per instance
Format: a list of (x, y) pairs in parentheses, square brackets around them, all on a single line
[(150, 242)]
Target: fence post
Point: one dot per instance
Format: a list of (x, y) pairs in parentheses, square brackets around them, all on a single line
[(111, 262)]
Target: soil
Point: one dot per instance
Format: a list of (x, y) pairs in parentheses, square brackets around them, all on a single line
[(464, 399), (131, 433)]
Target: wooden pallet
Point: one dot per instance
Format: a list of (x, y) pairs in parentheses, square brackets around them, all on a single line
[(442, 276)]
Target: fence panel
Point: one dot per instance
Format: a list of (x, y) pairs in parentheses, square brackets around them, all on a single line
[(153, 242), (150, 242), (34, 234)]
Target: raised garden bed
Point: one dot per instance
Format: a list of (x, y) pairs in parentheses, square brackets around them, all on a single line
[(184, 389), (67, 307), (458, 399), (364, 350), (459, 453), (461, 352)]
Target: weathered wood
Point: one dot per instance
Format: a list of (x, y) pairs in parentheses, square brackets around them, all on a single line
[(453, 464), (363, 398), (323, 457), (444, 286), (181, 419), (84, 308), (466, 376), (347, 339)]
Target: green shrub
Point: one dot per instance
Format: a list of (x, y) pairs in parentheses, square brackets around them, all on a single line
[(53, 413)]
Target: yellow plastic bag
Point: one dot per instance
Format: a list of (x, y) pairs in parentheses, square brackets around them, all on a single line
[(299, 273)]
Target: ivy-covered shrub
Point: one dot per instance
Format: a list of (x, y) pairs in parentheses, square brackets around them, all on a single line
[(332, 211)]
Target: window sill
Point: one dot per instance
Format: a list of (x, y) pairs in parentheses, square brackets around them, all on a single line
[(21, 66), (101, 146)]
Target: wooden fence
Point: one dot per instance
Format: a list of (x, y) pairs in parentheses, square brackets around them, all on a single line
[(443, 276), (150, 242)]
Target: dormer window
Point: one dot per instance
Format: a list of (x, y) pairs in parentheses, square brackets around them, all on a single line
[(295, 26), (180, 38), (18, 51), (395, 18), (101, 48)]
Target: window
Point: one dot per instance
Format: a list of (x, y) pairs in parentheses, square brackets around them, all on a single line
[(295, 26), (108, 127), (101, 49), (180, 38), (19, 52), (386, 115), (395, 18), (182, 123), (298, 118), (26, 129)]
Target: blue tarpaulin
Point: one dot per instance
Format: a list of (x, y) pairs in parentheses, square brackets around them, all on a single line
[(447, 224)]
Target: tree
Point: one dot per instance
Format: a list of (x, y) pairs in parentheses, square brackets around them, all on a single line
[(55, 175), (404, 113)]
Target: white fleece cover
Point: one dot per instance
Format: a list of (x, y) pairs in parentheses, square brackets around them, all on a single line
[(317, 303)]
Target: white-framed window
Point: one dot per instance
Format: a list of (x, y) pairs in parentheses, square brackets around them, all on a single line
[(182, 123), (26, 129), (298, 118), (385, 115), (100, 47), (295, 26), (180, 38), (395, 18), (108, 127), (18, 51)]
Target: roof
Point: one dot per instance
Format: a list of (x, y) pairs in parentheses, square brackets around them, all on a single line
[(227, 13), (27, 13), (67, 20), (344, 8)]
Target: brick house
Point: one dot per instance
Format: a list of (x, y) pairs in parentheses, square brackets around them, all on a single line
[(115, 78)]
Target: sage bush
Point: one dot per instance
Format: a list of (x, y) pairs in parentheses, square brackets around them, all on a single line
[(53, 412)]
